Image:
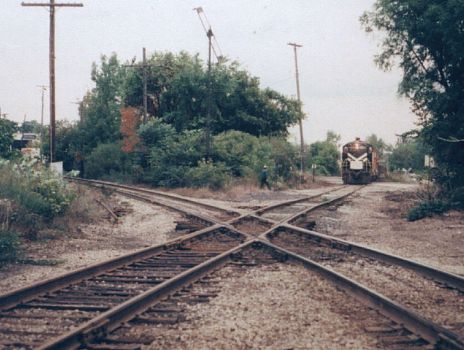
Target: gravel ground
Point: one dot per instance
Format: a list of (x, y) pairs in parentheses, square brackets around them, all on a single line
[(271, 307), (442, 305), (375, 218), (143, 225)]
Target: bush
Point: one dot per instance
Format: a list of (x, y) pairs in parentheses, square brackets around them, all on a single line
[(37, 192), (107, 161), (9, 244), (207, 174), (427, 209)]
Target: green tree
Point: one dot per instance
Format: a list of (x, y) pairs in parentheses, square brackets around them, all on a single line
[(408, 155), (179, 95), (31, 126), (426, 38), (100, 108), (7, 129), (379, 144), (325, 154)]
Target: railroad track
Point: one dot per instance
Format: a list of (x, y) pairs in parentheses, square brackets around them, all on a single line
[(85, 308)]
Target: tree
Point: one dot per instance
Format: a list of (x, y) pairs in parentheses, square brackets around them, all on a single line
[(408, 155), (178, 94), (379, 144), (325, 154), (31, 126), (100, 108), (7, 129), (129, 123), (426, 37)]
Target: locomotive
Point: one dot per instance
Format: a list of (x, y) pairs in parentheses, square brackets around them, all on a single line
[(360, 162)]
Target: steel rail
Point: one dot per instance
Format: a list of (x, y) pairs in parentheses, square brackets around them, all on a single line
[(170, 196), (110, 320), (430, 331), (450, 279), (105, 323), (320, 205), (295, 201), (24, 294)]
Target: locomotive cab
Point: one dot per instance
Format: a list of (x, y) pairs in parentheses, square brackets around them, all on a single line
[(359, 162)]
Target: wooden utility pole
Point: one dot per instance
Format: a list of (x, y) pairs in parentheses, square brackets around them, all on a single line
[(43, 87), (52, 6), (302, 162), (209, 34), (144, 67), (145, 78)]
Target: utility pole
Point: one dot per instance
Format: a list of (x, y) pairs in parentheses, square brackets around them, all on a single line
[(302, 162), (216, 49), (209, 34), (52, 7), (144, 67), (145, 78), (44, 88)]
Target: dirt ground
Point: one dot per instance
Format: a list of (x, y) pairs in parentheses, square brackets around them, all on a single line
[(141, 225), (375, 216)]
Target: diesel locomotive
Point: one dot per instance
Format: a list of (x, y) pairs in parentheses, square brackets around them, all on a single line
[(360, 162)]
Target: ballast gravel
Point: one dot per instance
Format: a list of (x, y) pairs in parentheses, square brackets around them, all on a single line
[(278, 306)]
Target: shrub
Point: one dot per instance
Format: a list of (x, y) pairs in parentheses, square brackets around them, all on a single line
[(107, 161), (38, 192), (9, 244), (208, 174), (427, 208)]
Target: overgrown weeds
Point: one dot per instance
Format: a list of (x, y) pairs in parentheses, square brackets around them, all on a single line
[(433, 200), (31, 199)]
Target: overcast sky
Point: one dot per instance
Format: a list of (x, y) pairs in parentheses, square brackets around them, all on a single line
[(341, 88)]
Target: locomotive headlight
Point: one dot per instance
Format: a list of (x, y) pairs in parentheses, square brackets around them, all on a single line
[(356, 145)]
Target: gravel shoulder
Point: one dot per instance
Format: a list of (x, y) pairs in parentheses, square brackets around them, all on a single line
[(375, 216), (142, 225)]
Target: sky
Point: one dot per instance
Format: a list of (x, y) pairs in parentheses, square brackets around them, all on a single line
[(341, 88)]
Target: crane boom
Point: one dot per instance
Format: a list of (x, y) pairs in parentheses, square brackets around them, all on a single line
[(207, 27)]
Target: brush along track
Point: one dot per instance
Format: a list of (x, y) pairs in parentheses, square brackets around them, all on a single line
[(32, 316), (432, 299), (178, 203), (168, 305)]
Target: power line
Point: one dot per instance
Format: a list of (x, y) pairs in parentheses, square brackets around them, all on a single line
[(52, 7)]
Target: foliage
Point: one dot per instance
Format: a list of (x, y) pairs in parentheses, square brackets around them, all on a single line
[(39, 193), (427, 208), (107, 161), (408, 155), (237, 102), (237, 150), (156, 133), (379, 144), (7, 129), (31, 126), (9, 244), (100, 108), (325, 154), (208, 174), (426, 37), (129, 123)]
